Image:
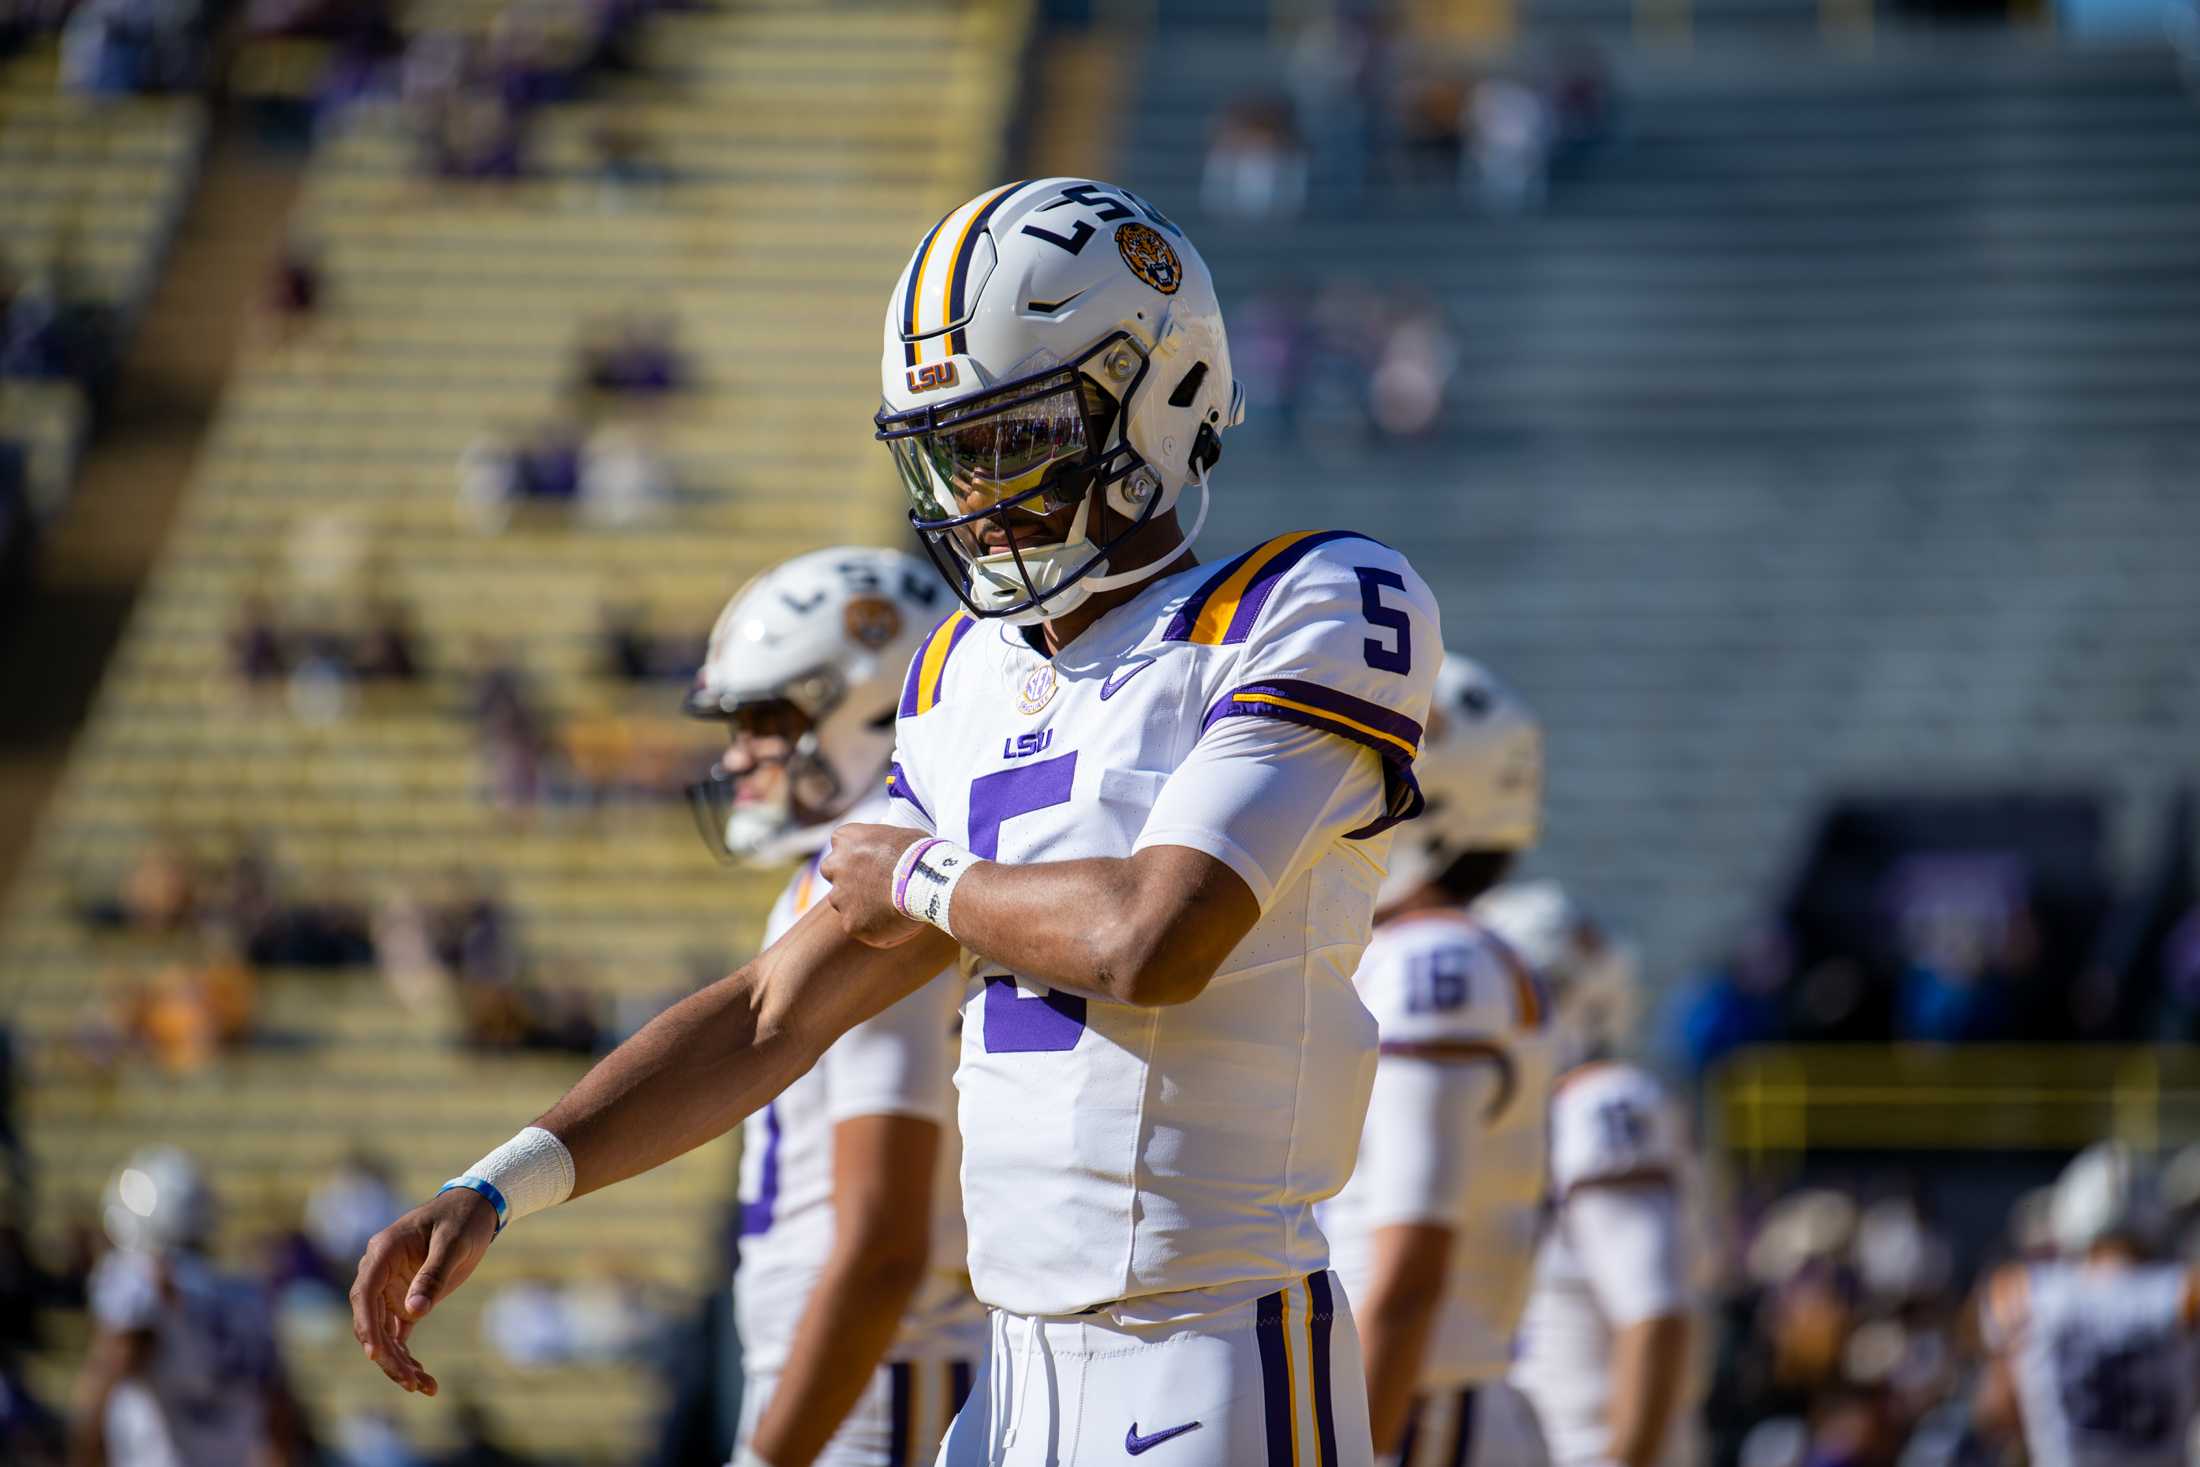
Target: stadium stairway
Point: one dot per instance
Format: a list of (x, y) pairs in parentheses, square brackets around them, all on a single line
[(806, 153), (1835, 428)]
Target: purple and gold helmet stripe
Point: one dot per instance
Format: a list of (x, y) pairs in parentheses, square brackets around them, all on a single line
[(929, 667), (1226, 607), (909, 295), (965, 250)]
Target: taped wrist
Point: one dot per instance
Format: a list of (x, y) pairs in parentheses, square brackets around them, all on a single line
[(925, 879), (532, 1171)]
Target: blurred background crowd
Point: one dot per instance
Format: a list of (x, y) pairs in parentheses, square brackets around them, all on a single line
[(1798, 400)]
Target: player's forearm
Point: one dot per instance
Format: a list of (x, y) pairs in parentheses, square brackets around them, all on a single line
[(1394, 1335), (1135, 930), (1649, 1373), (687, 1077), (851, 1318)]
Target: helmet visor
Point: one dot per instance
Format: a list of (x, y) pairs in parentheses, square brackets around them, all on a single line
[(978, 459)]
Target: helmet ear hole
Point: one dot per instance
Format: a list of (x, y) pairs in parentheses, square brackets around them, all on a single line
[(1188, 387)]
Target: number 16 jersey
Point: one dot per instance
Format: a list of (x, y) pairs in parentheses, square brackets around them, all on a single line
[(1267, 712)]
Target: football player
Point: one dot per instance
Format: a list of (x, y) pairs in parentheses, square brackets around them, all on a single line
[(2091, 1355), (1435, 1235), (859, 1335), (1609, 1340), (183, 1370), (1150, 802)]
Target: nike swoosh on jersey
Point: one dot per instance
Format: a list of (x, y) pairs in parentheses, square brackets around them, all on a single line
[(1134, 1444), (1114, 681)]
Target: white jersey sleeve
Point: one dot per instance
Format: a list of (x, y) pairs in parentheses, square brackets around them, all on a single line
[(1630, 1245), (1610, 1123)]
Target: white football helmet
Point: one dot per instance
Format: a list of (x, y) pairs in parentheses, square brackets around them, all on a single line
[(2107, 1191), (1481, 772), (1051, 343), (1593, 977), (158, 1202), (828, 634)]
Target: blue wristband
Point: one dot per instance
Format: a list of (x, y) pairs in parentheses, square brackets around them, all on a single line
[(486, 1189)]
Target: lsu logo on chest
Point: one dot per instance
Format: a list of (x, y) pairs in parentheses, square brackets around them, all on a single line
[(1024, 745)]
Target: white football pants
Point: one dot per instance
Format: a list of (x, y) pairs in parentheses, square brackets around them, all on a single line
[(1272, 1381)]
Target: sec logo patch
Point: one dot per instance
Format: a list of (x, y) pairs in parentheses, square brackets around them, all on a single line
[(1151, 258), (1038, 689)]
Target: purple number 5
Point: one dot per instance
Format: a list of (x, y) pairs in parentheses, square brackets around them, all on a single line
[(1016, 1025)]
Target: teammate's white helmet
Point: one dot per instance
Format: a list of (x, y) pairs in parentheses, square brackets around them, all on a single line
[(1051, 343), (2107, 1191), (829, 633), (1481, 772), (158, 1202), (1594, 978)]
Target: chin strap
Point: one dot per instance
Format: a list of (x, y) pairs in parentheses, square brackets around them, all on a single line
[(1153, 568)]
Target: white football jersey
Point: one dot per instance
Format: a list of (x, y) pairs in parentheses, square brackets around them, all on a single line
[(1609, 1123), (900, 1062), (202, 1400), (1112, 1152), (1456, 1130), (2104, 1360)]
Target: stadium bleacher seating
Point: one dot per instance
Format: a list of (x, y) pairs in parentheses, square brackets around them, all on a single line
[(454, 309), (1760, 424), (95, 186)]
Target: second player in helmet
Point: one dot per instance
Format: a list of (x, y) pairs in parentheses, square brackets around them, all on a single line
[(1435, 1235), (2093, 1359), (858, 1330)]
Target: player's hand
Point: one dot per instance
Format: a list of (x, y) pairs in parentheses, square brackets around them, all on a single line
[(409, 1267), (860, 865)]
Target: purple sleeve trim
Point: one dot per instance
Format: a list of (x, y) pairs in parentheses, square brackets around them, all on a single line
[(1236, 703), (1402, 800), (898, 787)]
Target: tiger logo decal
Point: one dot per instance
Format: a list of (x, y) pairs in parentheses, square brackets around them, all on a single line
[(1150, 257)]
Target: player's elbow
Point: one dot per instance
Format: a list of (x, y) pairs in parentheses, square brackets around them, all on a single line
[(1145, 970), (888, 1262)]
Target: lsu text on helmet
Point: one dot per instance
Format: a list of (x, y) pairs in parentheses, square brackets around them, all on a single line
[(1051, 344), (158, 1202), (821, 643), (1481, 772)]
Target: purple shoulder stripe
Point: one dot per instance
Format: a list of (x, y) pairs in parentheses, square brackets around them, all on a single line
[(1180, 626)]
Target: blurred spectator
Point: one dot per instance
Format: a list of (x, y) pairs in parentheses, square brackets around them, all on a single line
[(256, 646), (623, 482), (635, 355), (499, 473), (1969, 946), (297, 286), (1414, 367), (513, 745), (53, 332), (1433, 132), (1341, 83), (628, 171), (632, 654), (603, 1318), (1740, 1002), (475, 136), (375, 1439), (345, 1212), (1269, 350), (1512, 135), (114, 47), (1256, 163), (477, 1445), (385, 652)]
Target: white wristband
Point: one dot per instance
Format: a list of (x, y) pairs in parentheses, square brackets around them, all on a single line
[(747, 1457), (533, 1170), (925, 879)]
